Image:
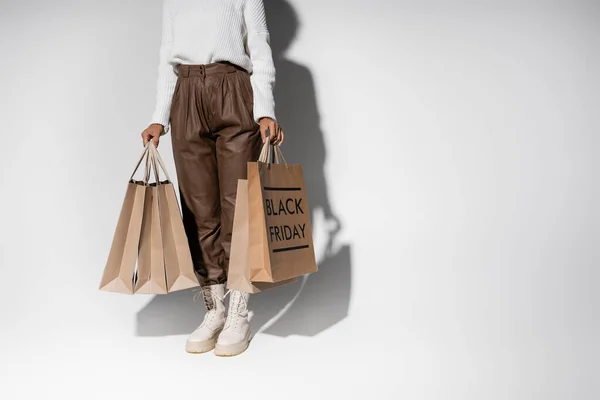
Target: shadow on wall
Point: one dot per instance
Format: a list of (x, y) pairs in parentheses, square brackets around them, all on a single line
[(318, 301)]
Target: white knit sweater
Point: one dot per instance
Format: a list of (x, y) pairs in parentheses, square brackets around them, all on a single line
[(207, 31)]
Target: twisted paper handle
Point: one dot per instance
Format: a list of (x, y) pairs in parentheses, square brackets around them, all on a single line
[(152, 156), (271, 154)]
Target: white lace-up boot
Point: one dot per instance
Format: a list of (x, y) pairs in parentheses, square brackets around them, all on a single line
[(203, 339), (235, 337)]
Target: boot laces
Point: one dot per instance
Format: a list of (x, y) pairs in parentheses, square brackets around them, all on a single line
[(237, 299), (210, 297), (238, 308)]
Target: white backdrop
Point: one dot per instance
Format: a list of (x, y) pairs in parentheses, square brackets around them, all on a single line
[(454, 142)]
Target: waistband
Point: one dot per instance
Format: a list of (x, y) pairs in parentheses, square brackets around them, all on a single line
[(185, 70)]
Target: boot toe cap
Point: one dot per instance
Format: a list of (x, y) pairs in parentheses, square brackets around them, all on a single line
[(232, 336)]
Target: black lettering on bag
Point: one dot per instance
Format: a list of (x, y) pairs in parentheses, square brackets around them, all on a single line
[(287, 206), (269, 206), (287, 232), (271, 233), (277, 233), (296, 233), (281, 208), (280, 233), (298, 209)]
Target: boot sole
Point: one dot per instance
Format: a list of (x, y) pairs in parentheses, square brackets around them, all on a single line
[(232, 350), (200, 347)]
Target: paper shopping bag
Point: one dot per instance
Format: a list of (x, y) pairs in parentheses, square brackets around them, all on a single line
[(150, 274), (118, 273), (238, 275), (179, 268), (280, 232)]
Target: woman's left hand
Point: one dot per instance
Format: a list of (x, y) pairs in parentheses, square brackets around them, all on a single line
[(270, 128)]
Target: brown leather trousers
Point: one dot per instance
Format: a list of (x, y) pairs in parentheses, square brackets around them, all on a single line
[(214, 135)]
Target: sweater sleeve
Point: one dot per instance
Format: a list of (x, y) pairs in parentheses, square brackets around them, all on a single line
[(259, 50), (166, 73)]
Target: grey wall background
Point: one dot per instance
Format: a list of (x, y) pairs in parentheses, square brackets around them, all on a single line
[(450, 149)]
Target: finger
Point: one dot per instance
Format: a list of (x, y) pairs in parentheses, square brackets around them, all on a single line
[(263, 134), (282, 137), (273, 132), (277, 134)]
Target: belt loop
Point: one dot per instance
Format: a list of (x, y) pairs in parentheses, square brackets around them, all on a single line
[(203, 71)]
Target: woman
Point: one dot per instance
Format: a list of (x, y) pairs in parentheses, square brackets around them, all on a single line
[(215, 92)]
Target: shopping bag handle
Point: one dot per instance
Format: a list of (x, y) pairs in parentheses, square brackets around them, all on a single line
[(279, 158), (148, 168), (157, 157), (265, 153), (149, 153), (271, 154), (144, 154), (151, 160)]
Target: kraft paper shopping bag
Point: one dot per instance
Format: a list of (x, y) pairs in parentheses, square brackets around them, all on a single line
[(238, 275), (119, 271), (150, 274), (280, 231), (177, 257)]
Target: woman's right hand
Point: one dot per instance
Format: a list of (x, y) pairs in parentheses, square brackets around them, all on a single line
[(153, 133)]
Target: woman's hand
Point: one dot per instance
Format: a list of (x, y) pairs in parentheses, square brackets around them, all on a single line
[(271, 129), (152, 133)]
